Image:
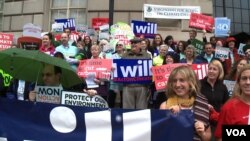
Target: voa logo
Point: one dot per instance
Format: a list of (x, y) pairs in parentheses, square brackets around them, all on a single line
[(236, 132)]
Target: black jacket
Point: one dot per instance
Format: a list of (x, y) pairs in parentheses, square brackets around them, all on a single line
[(217, 95)]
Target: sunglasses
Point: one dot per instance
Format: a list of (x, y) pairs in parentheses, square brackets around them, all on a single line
[(119, 45)]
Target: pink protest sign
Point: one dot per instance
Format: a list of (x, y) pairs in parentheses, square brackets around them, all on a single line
[(100, 67), (5, 41)]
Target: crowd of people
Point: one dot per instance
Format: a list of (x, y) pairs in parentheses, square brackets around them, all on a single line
[(209, 97)]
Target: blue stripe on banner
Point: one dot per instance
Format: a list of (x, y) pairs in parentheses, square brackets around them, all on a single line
[(22, 120), (170, 127), (117, 124)]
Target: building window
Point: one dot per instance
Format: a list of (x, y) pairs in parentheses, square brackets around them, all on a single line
[(1, 14), (61, 9), (237, 11)]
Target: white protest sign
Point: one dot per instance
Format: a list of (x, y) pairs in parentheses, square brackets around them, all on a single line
[(222, 52), (240, 49), (104, 28), (83, 99), (230, 86), (48, 94), (32, 30), (169, 12), (57, 27)]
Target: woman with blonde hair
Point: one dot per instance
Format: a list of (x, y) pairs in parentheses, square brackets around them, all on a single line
[(190, 54), (236, 110), (183, 92), (214, 90)]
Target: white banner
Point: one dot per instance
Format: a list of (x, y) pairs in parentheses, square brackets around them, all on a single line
[(169, 12)]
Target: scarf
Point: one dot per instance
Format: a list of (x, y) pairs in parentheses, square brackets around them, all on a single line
[(173, 101)]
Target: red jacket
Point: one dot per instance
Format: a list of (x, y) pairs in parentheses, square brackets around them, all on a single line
[(228, 63)]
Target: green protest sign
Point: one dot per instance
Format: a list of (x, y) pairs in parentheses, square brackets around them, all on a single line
[(198, 46)]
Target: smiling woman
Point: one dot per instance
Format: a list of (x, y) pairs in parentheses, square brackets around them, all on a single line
[(236, 110), (183, 93), (214, 90)]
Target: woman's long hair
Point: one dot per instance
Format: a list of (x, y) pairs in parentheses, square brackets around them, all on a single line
[(189, 75), (237, 92)]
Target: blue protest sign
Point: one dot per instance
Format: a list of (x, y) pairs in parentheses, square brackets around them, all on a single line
[(222, 27), (147, 29), (131, 71), (22, 120), (67, 23)]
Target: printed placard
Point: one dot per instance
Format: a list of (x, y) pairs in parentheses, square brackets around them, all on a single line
[(161, 74), (200, 21), (147, 29), (97, 22), (57, 27), (32, 30), (100, 67), (131, 71), (240, 49), (222, 27), (222, 52), (67, 23), (169, 12), (83, 99), (230, 86), (48, 94), (200, 70), (6, 41), (198, 46)]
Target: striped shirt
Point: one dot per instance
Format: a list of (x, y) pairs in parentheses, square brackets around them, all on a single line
[(201, 112)]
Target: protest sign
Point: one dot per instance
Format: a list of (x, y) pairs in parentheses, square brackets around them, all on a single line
[(57, 27), (32, 30), (198, 46), (132, 71), (240, 49), (83, 99), (53, 122), (6, 41), (230, 86), (161, 74), (121, 32), (222, 52), (81, 28), (169, 12), (67, 23), (147, 29), (48, 94), (97, 22), (200, 70), (222, 27), (100, 67), (200, 21)]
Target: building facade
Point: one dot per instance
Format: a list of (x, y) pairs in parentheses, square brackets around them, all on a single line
[(15, 13)]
